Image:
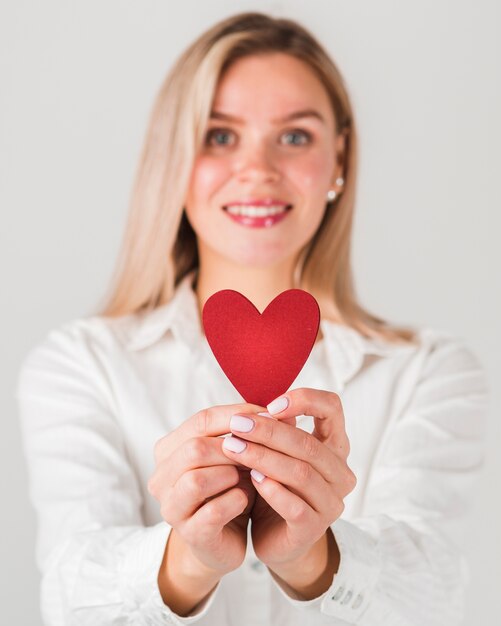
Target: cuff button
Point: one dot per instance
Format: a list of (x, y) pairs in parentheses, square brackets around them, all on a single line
[(347, 597), (338, 594)]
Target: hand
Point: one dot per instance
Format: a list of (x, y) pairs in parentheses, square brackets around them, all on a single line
[(205, 496), (307, 476)]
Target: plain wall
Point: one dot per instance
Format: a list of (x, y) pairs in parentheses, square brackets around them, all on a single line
[(77, 81)]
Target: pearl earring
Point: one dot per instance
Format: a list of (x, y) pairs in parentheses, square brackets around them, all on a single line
[(332, 194)]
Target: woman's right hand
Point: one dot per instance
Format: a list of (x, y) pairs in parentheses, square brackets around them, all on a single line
[(203, 495)]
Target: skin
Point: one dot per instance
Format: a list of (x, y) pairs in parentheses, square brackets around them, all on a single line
[(205, 490), (260, 158)]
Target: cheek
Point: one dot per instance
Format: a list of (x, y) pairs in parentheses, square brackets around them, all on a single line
[(312, 173), (208, 175)]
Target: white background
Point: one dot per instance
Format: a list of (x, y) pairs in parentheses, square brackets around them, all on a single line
[(77, 80)]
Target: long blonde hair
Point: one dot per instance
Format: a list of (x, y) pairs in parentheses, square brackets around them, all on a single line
[(159, 245)]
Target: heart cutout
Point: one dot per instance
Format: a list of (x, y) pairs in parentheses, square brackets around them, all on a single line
[(261, 353)]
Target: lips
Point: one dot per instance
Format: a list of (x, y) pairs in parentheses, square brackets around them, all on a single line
[(255, 221), (287, 207), (258, 202)]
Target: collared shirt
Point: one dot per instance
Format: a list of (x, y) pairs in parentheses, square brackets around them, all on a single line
[(96, 394)]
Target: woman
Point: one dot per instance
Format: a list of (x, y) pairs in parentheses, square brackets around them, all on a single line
[(148, 513)]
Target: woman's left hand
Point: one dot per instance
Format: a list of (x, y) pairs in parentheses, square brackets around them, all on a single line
[(306, 475)]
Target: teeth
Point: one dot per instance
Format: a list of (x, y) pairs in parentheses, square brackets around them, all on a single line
[(255, 211)]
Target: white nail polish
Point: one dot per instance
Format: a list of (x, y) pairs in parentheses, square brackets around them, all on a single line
[(278, 405), (234, 444), (257, 475)]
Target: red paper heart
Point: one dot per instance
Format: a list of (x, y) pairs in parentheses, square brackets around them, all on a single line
[(261, 354)]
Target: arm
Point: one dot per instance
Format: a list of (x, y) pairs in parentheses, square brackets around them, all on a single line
[(312, 575), (99, 563), (401, 561), (183, 583)]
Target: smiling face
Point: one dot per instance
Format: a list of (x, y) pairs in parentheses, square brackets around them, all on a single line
[(270, 143)]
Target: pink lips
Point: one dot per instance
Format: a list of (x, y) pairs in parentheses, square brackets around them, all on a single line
[(258, 222), (259, 202), (261, 221)]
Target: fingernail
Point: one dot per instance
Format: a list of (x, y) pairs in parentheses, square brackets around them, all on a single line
[(278, 405), (257, 475), (241, 423), (234, 444), (265, 414)]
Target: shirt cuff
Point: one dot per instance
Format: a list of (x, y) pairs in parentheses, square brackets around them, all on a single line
[(353, 585), (139, 576)]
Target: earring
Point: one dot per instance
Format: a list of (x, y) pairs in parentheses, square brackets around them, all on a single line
[(332, 194)]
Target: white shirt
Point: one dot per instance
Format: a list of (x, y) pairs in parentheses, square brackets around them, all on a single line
[(96, 394)]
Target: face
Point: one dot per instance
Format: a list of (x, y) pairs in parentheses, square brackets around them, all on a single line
[(258, 187)]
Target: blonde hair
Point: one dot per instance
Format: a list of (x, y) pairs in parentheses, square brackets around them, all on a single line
[(159, 245)]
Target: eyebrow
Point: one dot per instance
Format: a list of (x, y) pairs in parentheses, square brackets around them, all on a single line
[(219, 115)]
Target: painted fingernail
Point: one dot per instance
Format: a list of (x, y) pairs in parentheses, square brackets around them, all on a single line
[(234, 444), (278, 405), (257, 475), (265, 414), (241, 423)]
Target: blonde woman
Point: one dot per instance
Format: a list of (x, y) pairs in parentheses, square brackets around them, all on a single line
[(162, 498)]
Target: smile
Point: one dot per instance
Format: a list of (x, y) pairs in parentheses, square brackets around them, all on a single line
[(257, 216)]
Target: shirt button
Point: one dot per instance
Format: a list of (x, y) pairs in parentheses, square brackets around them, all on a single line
[(358, 601), (257, 566)]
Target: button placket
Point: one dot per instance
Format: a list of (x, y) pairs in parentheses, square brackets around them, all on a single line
[(256, 602)]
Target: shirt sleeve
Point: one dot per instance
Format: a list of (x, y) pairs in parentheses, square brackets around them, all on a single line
[(401, 561), (98, 561)]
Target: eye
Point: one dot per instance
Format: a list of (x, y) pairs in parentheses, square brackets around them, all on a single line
[(304, 137), (218, 137)]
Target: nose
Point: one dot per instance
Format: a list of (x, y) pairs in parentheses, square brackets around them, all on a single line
[(255, 163)]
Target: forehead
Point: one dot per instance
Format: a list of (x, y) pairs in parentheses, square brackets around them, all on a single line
[(270, 84)]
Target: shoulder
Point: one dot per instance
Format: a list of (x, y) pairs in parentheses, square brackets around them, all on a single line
[(447, 373), (80, 349), (447, 351), (434, 347), (439, 362), (85, 334)]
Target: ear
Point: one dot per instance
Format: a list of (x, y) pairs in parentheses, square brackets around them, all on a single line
[(341, 143), (340, 147)]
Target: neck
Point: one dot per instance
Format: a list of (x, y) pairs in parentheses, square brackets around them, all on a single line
[(259, 284)]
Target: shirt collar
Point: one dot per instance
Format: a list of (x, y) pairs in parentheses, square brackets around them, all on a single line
[(345, 347), (179, 316)]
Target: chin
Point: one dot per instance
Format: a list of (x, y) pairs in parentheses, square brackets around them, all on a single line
[(258, 258)]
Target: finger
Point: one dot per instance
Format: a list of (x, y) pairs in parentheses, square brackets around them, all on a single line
[(286, 420), (294, 442), (210, 518), (298, 476), (245, 483), (192, 490), (292, 508), (211, 422), (194, 453), (326, 409)]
